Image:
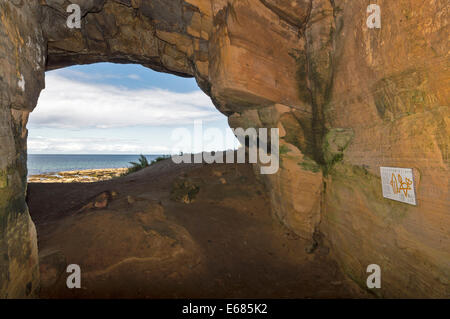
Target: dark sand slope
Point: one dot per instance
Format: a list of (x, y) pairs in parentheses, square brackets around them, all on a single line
[(144, 244)]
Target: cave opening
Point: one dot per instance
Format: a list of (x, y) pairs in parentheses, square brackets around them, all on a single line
[(349, 101), (169, 230), (99, 117)]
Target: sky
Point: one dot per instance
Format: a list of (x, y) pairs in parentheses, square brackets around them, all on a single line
[(110, 108)]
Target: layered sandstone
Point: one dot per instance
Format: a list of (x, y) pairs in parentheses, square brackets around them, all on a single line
[(347, 99)]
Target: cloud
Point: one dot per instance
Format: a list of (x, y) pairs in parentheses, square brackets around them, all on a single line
[(134, 77), (86, 145), (73, 104), (85, 76)]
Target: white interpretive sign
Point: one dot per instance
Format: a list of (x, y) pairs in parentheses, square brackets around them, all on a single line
[(398, 184)]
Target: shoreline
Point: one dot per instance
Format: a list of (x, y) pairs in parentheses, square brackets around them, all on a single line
[(78, 176)]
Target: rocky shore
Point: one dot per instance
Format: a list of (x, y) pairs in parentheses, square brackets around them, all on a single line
[(78, 176)]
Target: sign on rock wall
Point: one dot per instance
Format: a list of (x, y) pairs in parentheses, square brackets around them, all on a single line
[(398, 184)]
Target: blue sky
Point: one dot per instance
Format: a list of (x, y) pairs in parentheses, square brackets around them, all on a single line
[(109, 108)]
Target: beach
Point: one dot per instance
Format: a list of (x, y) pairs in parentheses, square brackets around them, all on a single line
[(78, 176)]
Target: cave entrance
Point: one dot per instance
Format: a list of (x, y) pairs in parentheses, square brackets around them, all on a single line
[(230, 214), (103, 116), (117, 109)]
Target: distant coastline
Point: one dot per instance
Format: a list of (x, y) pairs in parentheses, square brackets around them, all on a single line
[(52, 164), (78, 176)]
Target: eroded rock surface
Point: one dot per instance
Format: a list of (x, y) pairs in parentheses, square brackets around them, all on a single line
[(347, 99)]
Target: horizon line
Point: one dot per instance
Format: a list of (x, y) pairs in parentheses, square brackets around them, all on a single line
[(92, 154)]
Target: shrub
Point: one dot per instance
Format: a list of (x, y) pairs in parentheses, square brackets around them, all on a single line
[(137, 166), (160, 158), (143, 163)]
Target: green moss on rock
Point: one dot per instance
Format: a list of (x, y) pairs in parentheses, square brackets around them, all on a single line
[(335, 143), (359, 180), (309, 165)]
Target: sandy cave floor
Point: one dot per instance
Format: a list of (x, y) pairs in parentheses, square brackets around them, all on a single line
[(132, 240)]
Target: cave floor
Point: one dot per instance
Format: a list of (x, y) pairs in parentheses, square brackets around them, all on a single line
[(131, 239)]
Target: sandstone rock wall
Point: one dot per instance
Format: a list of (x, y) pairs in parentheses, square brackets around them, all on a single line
[(22, 63), (391, 89), (347, 99)]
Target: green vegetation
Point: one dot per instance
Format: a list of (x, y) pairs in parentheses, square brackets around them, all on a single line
[(159, 159), (309, 165), (335, 143), (137, 166), (184, 191), (351, 179), (284, 149), (328, 166), (143, 163)]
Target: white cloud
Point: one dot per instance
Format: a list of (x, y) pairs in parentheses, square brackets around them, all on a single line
[(96, 76), (134, 77), (82, 145), (72, 104)]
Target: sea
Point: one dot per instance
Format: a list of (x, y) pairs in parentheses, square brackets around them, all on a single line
[(44, 164)]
